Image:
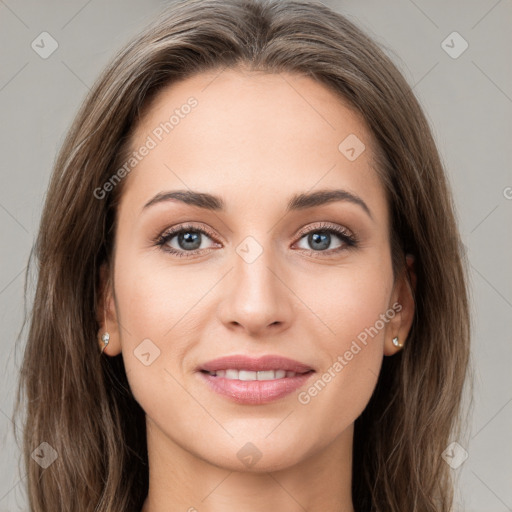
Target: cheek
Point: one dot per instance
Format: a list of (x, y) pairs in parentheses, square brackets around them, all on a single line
[(159, 298), (155, 317), (352, 309), (347, 300)]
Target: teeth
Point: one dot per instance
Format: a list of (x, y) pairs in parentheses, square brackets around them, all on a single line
[(233, 374)]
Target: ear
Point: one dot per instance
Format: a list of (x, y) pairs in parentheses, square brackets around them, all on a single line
[(402, 301), (106, 314)]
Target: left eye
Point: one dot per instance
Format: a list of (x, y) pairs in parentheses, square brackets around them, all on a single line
[(183, 240)]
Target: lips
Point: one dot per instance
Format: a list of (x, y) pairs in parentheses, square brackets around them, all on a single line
[(264, 363), (254, 381)]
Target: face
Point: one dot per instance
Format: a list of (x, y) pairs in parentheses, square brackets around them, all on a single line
[(277, 245)]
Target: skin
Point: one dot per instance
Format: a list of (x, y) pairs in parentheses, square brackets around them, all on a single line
[(254, 140)]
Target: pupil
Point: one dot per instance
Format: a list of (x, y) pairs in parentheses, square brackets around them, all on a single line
[(320, 240), (187, 238)]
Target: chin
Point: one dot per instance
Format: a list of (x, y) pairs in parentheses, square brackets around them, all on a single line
[(259, 456)]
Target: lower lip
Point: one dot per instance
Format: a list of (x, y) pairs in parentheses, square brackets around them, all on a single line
[(255, 392)]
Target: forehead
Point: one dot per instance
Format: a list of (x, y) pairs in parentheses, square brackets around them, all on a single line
[(239, 133)]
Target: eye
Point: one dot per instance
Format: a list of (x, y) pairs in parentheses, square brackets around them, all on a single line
[(184, 241), (320, 238)]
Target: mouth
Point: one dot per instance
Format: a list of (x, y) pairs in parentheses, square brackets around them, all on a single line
[(254, 381), (250, 375)]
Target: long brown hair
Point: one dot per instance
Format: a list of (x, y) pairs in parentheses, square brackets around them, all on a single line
[(80, 403)]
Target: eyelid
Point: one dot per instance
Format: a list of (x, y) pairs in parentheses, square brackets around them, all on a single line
[(348, 238), (202, 228), (169, 233), (325, 226)]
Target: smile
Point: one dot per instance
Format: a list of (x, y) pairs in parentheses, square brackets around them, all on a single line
[(248, 375)]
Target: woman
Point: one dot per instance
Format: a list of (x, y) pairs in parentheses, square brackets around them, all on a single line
[(251, 289)]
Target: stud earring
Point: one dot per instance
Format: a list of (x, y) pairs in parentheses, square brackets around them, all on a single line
[(105, 337), (396, 343)]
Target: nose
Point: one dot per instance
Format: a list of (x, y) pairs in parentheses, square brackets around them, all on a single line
[(256, 300)]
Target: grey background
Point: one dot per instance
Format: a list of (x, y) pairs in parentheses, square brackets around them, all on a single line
[(468, 101)]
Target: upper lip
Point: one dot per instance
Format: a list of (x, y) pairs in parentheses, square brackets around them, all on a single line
[(267, 362)]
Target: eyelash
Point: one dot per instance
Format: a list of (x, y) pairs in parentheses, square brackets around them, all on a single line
[(349, 240)]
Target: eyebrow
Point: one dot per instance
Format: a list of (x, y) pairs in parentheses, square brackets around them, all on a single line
[(297, 202)]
